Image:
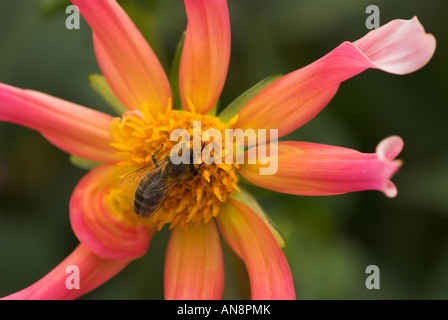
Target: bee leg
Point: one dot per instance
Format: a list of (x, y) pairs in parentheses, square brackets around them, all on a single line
[(194, 171), (154, 160), (155, 154)]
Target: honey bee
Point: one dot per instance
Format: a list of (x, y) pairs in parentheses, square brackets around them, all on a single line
[(156, 181)]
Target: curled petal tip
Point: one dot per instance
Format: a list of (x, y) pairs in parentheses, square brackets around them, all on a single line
[(398, 47), (390, 190), (389, 148)]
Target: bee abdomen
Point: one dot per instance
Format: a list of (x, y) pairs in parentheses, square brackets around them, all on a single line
[(147, 202)]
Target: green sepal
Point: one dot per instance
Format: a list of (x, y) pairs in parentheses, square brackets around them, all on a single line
[(83, 163), (52, 7), (213, 110), (233, 108), (243, 180), (100, 85), (249, 200), (174, 74)]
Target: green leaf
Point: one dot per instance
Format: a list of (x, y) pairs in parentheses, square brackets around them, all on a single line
[(100, 85), (232, 109), (249, 200), (83, 163), (174, 74)]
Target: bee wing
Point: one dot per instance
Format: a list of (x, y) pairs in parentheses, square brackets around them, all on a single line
[(134, 177), (163, 191)]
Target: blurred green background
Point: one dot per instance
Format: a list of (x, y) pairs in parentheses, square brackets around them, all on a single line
[(330, 240)]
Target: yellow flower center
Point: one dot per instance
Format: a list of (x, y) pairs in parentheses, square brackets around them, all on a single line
[(139, 136)]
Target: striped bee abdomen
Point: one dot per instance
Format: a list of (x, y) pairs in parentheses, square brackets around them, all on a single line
[(149, 197)]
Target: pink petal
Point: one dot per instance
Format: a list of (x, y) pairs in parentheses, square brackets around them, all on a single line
[(71, 127), (244, 231), (125, 58), (93, 272), (109, 234), (400, 47), (388, 149), (205, 55), (317, 169), (194, 266)]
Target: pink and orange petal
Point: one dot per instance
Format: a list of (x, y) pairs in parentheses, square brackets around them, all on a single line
[(194, 266), (250, 238), (317, 169), (73, 128), (205, 55), (127, 62), (93, 272), (108, 233), (399, 47)]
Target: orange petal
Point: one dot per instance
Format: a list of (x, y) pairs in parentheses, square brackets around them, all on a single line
[(107, 233), (399, 47), (194, 267), (205, 55), (125, 58), (250, 238), (93, 272)]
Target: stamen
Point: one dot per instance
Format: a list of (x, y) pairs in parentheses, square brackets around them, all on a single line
[(169, 106), (191, 106), (232, 121)]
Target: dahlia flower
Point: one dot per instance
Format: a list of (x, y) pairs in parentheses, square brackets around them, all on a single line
[(213, 203)]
